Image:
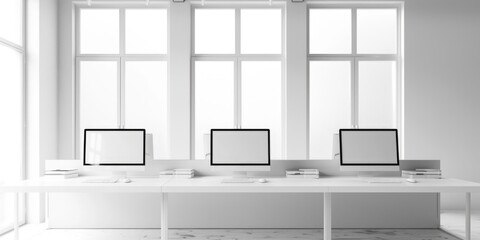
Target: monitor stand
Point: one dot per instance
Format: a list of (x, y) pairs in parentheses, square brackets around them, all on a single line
[(376, 177), (365, 174), (238, 177), (119, 174)]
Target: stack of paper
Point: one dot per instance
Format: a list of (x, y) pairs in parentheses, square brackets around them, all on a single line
[(61, 173), (422, 173), (303, 173), (178, 173)]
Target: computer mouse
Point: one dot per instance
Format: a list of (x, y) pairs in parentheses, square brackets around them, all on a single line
[(411, 180), (126, 180), (262, 180)]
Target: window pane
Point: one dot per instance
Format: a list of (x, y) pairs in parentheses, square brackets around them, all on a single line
[(214, 31), (261, 31), (330, 104), (99, 31), (146, 31), (98, 95), (377, 31), (11, 105), (377, 94), (214, 99), (330, 31), (262, 100), (146, 101), (11, 20)]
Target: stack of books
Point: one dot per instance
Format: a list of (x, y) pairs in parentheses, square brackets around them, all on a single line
[(178, 173), (303, 173), (61, 173), (422, 173)]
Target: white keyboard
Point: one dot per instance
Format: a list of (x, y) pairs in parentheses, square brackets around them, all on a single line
[(384, 180), (238, 180), (101, 180)]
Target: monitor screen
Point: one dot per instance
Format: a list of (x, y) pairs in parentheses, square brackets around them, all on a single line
[(377, 147), (240, 147), (114, 147)]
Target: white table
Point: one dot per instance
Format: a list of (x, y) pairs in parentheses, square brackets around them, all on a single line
[(76, 185), (355, 185), (327, 186)]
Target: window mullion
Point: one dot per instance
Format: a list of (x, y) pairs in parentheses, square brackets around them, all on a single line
[(237, 85), (121, 93), (122, 31), (238, 93), (237, 31), (354, 30), (354, 71), (355, 83)]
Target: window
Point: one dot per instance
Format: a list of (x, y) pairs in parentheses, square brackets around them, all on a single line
[(237, 72), (354, 71), (12, 103), (122, 77)]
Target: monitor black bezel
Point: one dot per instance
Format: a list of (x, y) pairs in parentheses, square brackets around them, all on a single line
[(110, 130), (238, 130), (370, 130)]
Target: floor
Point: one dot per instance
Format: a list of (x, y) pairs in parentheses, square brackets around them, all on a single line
[(453, 222)]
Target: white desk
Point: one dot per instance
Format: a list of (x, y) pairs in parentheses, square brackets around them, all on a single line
[(353, 185), (328, 186), (144, 185)]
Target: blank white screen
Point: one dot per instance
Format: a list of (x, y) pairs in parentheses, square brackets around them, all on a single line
[(114, 147), (369, 147), (240, 147)]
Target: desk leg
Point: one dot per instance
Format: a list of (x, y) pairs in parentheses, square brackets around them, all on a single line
[(467, 216), (164, 218), (327, 216), (15, 215)]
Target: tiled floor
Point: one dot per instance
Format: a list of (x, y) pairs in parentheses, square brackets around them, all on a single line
[(454, 223), (451, 221), (239, 234)]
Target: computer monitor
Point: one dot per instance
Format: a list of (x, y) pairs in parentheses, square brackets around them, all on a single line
[(369, 150), (240, 150), (114, 150)]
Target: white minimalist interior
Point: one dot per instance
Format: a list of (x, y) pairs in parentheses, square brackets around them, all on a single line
[(278, 79)]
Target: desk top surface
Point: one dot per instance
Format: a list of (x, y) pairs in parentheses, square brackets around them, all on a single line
[(79, 185), (323, 184), (214, 184)]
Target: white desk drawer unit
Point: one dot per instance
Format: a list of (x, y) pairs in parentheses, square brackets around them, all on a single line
[(328, 186)]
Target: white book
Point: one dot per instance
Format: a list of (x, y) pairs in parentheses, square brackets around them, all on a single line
[(184, 176), (183, 170), (167, 172), (422, 176), (61, 171), (303, 176), (177, 176), (420, 173), (427, 170), (65, 176)]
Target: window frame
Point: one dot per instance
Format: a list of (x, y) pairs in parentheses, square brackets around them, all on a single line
[(355, 58), (237, 58), (22, 49), (120, 58)]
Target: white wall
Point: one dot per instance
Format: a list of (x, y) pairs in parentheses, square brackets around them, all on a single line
[(441, 81), (41, 94)]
